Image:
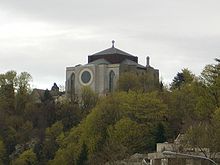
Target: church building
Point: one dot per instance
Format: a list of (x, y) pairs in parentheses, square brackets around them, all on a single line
[(103, 70)]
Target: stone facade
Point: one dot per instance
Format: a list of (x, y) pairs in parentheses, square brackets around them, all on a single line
[(103, 70)]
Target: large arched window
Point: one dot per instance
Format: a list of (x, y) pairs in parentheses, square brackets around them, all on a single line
[(72, 86), (111, 80)]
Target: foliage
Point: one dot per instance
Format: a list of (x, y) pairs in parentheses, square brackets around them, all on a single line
[(7, 95), (199, 134), (47, 96), (88, 98), (184, 77), (22, 96), (142, 82), (69, 113), (50, 144), (26, 158), (130, 134), (211, 79), (2, 152), (121, 118), (83, 156), (159, 134), (99, 130), (128, 81)]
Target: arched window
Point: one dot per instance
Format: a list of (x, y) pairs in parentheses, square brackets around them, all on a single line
[(111, 81), (72, 86)]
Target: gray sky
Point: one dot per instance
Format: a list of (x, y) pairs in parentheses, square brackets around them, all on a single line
[(43, 37)]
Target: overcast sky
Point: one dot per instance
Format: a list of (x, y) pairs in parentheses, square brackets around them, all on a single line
[(43, 37)]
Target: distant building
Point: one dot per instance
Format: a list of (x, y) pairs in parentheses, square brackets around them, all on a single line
[(41, 95), (103, 70)]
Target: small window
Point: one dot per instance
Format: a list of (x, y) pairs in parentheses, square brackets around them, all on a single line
[(72, 85), (111, 81)]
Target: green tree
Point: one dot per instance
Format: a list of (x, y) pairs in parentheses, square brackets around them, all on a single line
[(160, 136), (83, 156), (50, 145), (7, 91), (128, 81), (182, 102), (23, 90), (88, 98), (211, 79), (70, 148), (9, 138), (120, 124), (2, 152), (178, 81), (198, 137), (183, 77), (145, 108), (28, 157), (130, 134), (215, 147), (25, 132), (69, 113), (47, 96), (182, 109)]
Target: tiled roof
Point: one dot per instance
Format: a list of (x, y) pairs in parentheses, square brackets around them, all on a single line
[(112, 55), (129, 62), (100, 61), (112, 50)]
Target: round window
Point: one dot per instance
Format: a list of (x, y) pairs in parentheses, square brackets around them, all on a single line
[(85, 77)]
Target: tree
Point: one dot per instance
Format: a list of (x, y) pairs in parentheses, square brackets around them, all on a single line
[(88, 98), (198, 137), (182, 107), (8, 82), (177, 81), (204, 135), (83, 156), (47, 96), (28, 157), (128, 81), (66, 156), (50, 145), (2, 153), (160, 136), (182, 102), (184, 77), (211, 79), (25, 132), (70, 147), (120, 124), (216, 130), (9, 137), (68, 113), (130, 134), (22, 96), (145, 108), (199, 101)]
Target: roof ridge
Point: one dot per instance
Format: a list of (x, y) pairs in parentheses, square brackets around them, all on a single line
[(112, 50)]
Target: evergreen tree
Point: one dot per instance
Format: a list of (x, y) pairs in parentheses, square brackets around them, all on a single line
[(83, 156), (160, 133)]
